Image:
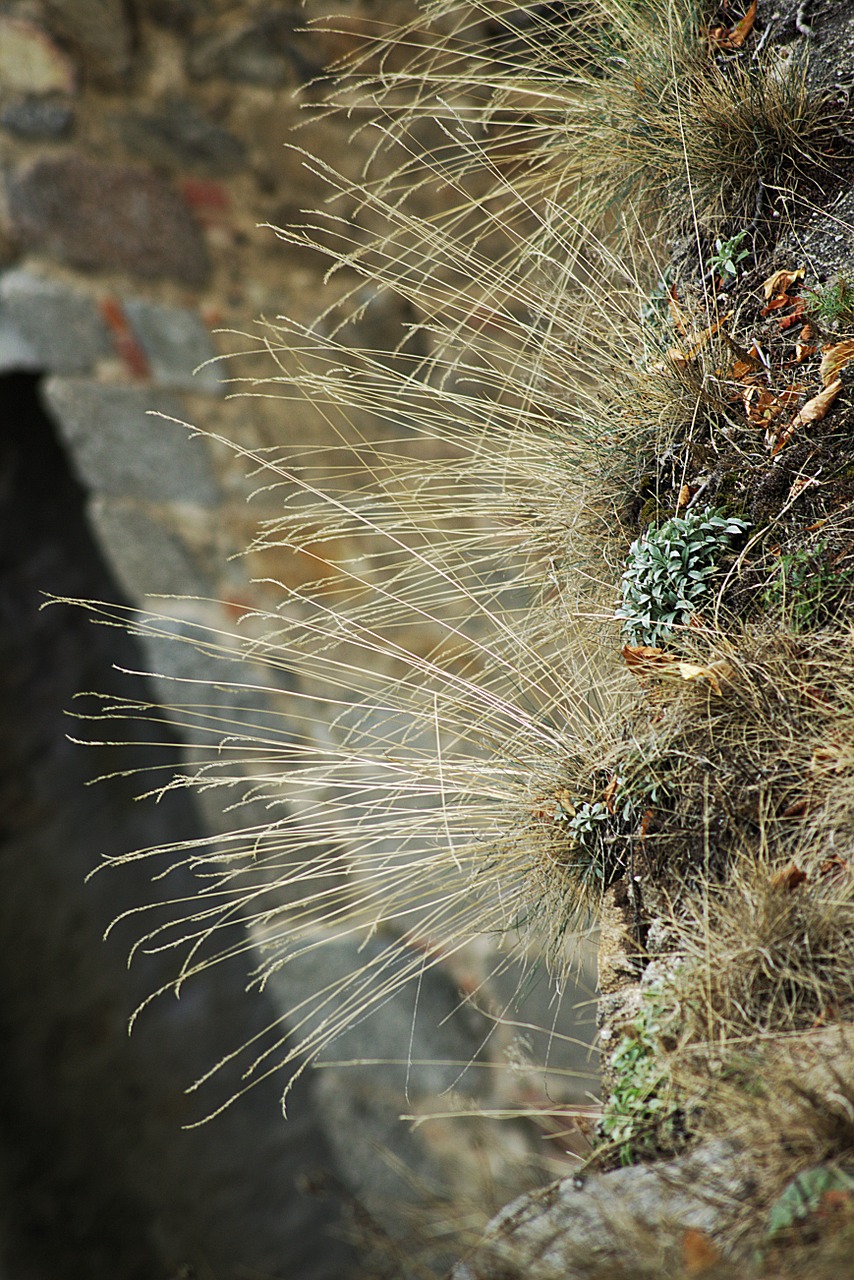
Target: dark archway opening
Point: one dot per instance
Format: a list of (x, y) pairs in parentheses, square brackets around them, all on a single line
[(97, 1176)]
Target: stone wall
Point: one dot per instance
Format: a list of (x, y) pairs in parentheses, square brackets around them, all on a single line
[(141, 148), (142, 144)]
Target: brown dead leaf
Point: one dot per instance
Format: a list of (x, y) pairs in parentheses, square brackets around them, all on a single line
[(686, 493), (647, 818), (816, 408), (776, 303), (804, 346), (763, 407), (781, 282), (678, 318), (699, 339), (834, 359), (676, 358), (699, 1252), (734, 37), (644, 659), (834, 866), (813, 411), (712, 673), (695, 340), (558, 805), (793, 316), (789, 878), (835, 1202)]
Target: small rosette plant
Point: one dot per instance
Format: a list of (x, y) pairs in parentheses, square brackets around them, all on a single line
[(669, 573)]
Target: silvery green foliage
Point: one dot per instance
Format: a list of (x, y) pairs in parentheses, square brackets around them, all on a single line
[(669, 571)]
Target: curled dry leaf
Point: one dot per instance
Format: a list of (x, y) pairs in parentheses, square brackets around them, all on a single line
[(734, 37), (788, 878), (763, 407), (554, 807), (813, 411), (781, 282), (695, 341), (834, 359), (794, 316), (804, 346), (677, 316), (644, 660), (835, 867), (816, 408), (713, 673)]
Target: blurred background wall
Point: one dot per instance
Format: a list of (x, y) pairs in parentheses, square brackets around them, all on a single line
[(142, 143)]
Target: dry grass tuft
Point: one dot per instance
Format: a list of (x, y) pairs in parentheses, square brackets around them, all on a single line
[(625, 111), (436, 723), (737, 748)]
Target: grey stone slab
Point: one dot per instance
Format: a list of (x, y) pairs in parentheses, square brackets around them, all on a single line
[(179, 135), (36, 118), (420, 1034), (577, 1227), (176, 343), (120, 450), (266, 51), (146, 557), (61, 326), (15, 352), (99, 31), (104, 217)]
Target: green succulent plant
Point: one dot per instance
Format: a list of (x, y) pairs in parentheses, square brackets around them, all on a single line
[(641, 1116), (728, 256), (587, 827), (669, 573), (807, 587)]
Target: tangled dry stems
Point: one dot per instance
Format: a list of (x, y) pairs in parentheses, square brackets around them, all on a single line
[(449, 797)]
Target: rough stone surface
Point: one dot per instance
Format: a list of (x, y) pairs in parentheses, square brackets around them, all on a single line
[(99, 31), (98, 1177), (570, 1229), (37, 118), (120, 450), (29, 61), (264, 52), (146, 557), (403, 1056), (61, 326), (180, 135), (177, 15), (176, 343), (98, 217), (15, 352)]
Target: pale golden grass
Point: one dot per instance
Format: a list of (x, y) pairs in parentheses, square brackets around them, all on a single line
[(457, 669), (606, 111)]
